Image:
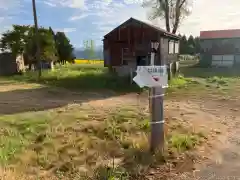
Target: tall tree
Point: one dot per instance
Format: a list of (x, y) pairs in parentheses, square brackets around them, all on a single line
[(183, 45), (191, 45), (64, 47), (54, 39), (197, 45), (92, 49), (172, 11), (89, 49)]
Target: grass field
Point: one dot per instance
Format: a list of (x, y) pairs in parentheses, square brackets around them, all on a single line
[(82, 76), (101, 129)]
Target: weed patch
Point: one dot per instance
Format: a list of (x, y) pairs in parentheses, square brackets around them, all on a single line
[(18, 133), (78, 144)]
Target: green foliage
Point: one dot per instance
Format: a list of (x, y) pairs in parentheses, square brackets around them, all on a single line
[(190, 45), (217, 80), (63, 46), (89, 48), (47, 45), (21, 39), (15, 40), (179, 81), (183, 142)]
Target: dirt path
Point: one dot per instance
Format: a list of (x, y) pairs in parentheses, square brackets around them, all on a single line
[(224, 152), (224, 163)]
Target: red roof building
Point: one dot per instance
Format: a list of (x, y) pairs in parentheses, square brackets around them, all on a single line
[(220, 47), (231, 33)]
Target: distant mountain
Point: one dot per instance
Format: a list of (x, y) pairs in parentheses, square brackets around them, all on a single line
[(81, 54)]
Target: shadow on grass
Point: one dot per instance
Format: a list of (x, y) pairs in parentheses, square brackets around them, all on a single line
[(199, 72), (82, 78), (39, 99)]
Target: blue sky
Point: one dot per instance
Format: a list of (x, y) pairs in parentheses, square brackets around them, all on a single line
[(91, 19)]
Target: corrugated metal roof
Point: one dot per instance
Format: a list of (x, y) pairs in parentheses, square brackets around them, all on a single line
[(230, 33), (147, 24)]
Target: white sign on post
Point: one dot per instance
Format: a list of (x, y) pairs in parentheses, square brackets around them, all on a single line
[(151, 76)]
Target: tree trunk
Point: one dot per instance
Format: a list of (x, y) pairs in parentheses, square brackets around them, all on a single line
[(166, 10), (52, 65), (179, 5), (37, 40)]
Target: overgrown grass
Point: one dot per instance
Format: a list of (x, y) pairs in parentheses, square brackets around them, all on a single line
[(19, 131), (91, 77), (198, 72), (183, 142), (80, 144), (223, 80), (85, 77)]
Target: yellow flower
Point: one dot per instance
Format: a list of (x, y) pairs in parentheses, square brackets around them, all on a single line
[(88, 61)]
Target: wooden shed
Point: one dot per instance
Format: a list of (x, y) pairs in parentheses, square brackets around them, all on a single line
[(129, 45), (10, 64)]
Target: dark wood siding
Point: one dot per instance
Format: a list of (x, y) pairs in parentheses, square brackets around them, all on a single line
[(116, 54), (137, 38), (8, 65)]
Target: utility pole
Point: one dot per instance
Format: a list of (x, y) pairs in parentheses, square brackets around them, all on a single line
[(37, 39), (156, 106), (155, 77)]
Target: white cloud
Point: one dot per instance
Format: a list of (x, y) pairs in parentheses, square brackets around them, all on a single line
[(66, 3), (133, 1), (74, 18), (9, 4), (50, 4), (107, 14), (1, 19), (224, 16), (96, 8), (117, 15), (8, 8), (66, 30), (75, 3)]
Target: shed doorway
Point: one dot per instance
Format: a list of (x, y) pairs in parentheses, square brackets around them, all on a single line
[(142, 61)]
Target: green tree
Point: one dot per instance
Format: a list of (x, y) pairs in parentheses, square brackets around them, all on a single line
[(191, 45), (183, 45), (89, 49), (197, 45), (14, 40), (47, 45), (92, 49), (172, 11), (64, 47), (22, 40)]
